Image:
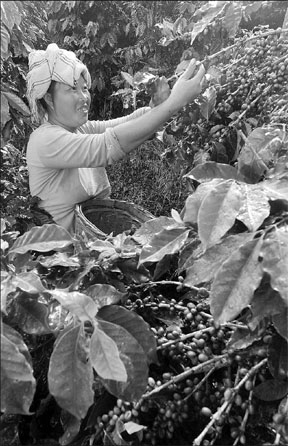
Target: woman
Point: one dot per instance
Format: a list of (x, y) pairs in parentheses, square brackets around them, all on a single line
[(67, 154)]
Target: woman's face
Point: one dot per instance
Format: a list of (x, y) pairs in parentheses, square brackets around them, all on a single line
[(70, 105)]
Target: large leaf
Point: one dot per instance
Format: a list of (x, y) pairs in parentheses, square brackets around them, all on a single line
[(30, 315), (275, 260), (5, 39), (211, 170), (235, 282), (243, 338), (255, 206), (217, 212), (59, 259), (261, 146), (103, 294), (276, 188), (77, 303), (280, 323), (203, 268), (190, 211), (17, 381), (5, 115), (233, 18), (266, 302), (209, 12), (7, 287), (42, 238), (10, 14), (271, 390), (28, 282), (147, 230), (16, 338), (134, 324), (71, 426), (105, 357), (134, 359), (16, 102), (70, 374), (168, 241), (278, 357), (207, 102)]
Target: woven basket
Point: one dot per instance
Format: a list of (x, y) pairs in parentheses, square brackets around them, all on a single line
[(99, 218)]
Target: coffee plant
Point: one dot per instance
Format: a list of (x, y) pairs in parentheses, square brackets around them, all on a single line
[(177, 331)]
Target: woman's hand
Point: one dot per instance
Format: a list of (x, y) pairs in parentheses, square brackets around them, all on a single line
[(187, 88)]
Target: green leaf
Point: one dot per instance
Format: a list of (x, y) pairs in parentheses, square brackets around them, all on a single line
[(255, 206), (42, 238), (59, 259), (17, 381), (235, 282), (103, 294), (243, 338), (207, 102), (71, 426), (276, 188), (217, 212), (233, 18), (5, 53), (190, 211), (211, 170), (28, 282), (147, 230), (271, 390), (275, 260), (77, 303), (7, 287), (168, 241), (17, 103), (134, 324), (70, 374), (16, 338), (105, 357), (209, 13), (265, 303), (5, 115), (261, 146), (134, 359), (278, 357), (10, 14), (280, 323), (203, 268), (30, 315), (128, 78)]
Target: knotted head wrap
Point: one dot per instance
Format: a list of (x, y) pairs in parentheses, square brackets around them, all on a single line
[(53, 64)]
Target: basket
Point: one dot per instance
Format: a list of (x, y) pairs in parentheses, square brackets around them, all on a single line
[(99, 218)]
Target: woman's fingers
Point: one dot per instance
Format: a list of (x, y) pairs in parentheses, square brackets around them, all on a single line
[(189, 70)]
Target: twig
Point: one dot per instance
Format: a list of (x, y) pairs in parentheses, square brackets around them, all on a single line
[(246, 415), (203, 380), (165, 282), (277, 438), (199, 368), (198, 440)]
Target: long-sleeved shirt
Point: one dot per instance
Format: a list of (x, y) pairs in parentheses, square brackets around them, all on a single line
[(55, 157)]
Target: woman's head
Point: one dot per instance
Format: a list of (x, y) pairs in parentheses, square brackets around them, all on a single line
[(68, 106), (49, 72)]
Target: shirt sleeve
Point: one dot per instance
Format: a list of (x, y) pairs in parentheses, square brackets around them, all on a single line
[(101, 126), (61, 149)]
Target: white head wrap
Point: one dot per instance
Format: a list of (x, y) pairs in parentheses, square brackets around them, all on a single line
[(54, 64)]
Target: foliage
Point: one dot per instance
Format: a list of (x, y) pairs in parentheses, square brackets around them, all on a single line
[(104, 306)]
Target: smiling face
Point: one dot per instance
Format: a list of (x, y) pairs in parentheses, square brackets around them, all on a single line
[(69, 106)]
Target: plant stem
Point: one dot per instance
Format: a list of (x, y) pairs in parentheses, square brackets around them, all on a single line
[(165, 282), (203, 380), (197, 441), (216, 361), (185, 337)]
